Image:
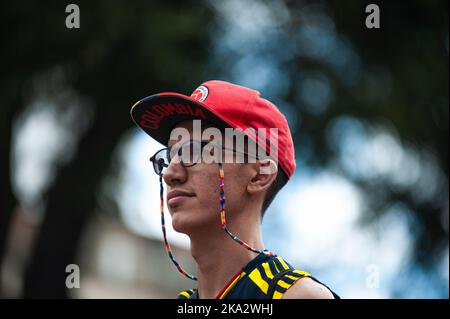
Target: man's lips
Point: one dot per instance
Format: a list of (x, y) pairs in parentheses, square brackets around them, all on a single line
[(175, 196)]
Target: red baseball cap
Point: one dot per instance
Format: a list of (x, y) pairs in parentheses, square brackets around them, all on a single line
[(221, 103)]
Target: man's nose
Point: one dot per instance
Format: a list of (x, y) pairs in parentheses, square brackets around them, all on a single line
[(175, 173)]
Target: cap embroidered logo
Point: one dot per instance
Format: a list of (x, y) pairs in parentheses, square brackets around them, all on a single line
[(200, 93)]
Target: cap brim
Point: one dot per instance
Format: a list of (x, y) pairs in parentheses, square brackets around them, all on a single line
[(158, 114)]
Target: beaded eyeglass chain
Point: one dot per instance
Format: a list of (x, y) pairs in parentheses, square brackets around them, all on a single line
[(222, 220)]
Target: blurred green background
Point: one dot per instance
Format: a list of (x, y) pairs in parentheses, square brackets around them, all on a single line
[(367, 210)]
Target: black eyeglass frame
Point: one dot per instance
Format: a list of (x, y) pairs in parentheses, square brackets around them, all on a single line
[(158, 165)]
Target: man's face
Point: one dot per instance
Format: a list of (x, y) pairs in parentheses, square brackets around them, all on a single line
[(201, 207)]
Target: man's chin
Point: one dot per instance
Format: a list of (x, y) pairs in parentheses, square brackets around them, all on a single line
[(182, 221)]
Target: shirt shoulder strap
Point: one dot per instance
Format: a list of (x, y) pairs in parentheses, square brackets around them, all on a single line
[(186, 294), (283, 281)]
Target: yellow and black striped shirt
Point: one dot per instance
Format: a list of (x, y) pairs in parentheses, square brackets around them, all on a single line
[(264, 277)]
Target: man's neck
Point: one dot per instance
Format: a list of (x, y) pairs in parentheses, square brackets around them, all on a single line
[(219, 258)]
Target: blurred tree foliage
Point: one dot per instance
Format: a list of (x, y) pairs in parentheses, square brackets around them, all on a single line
[(125, 50), (412, 47)]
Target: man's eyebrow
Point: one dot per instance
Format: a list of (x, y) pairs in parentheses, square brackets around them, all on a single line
[(171, 143), (170, 146)]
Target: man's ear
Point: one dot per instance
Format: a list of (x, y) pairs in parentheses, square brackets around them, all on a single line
[(264, 174)]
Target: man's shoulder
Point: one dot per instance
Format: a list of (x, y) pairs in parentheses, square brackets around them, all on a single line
[(307, 288)]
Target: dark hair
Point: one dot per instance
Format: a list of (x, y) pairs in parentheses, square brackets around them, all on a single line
[(273, 190)]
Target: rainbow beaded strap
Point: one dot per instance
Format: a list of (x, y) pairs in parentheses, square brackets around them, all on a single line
[(222, 220)]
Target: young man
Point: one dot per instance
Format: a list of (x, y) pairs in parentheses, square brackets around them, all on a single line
[(219, 200)]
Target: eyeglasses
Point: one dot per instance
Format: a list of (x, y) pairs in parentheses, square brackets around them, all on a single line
[(190, 153)]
